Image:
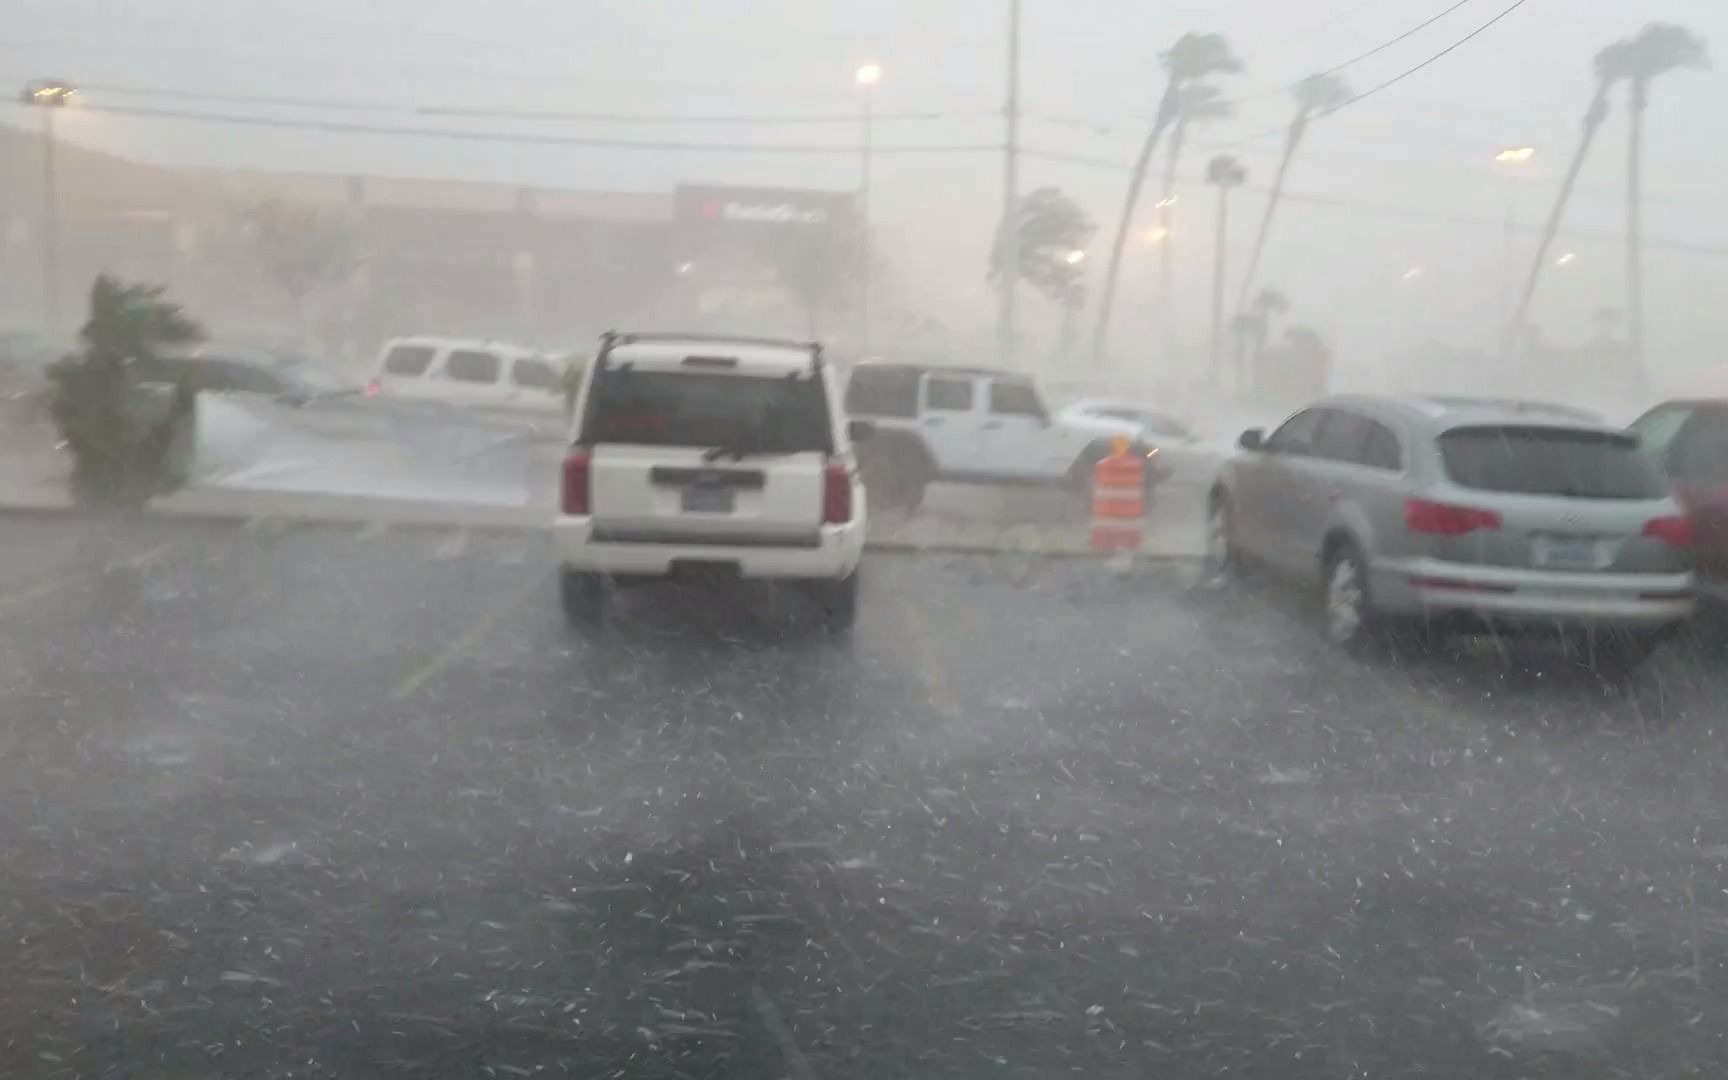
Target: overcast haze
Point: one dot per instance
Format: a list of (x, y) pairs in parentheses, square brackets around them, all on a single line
[(1425, 145)]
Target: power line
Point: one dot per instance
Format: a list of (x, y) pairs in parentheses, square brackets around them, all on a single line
[(1447, 51), (519, 138), (1405, 36), (1282, 88), (1389, 83), (1392, 209), (473, 112)]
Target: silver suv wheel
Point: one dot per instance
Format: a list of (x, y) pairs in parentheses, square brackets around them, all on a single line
[(1346, 599), (1218, 543)]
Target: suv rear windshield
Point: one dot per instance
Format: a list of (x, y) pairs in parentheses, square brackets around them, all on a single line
[(1549, 461), (780, 414)]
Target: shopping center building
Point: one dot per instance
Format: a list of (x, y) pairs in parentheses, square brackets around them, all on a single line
[(544, 266)]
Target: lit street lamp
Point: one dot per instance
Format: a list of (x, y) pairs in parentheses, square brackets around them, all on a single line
[(1567, 259), (1513, 162), (50, 95), (866, 77), (1075, 257)]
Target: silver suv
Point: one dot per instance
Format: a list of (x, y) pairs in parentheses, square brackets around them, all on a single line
[(1451, 513)]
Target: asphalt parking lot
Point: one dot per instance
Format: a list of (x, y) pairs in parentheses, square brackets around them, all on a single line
[(308, 801)]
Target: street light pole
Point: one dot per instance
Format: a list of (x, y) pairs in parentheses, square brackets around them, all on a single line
[(1010, 234), (50, 95), (867, 76), (1512, 161)]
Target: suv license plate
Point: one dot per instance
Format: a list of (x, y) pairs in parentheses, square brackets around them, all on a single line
[(1568, 552), (707, 500)]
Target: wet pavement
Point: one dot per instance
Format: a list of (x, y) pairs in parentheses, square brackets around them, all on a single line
[(309, 801)]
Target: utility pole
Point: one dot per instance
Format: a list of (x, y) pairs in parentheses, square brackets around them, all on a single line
[(1010, 234), (50, 230), (50, 95), (867, 76)]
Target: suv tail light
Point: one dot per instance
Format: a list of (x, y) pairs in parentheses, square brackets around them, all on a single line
[(373, 388), (1443, 519), (1674, 530), (836, 494), (576, 470)]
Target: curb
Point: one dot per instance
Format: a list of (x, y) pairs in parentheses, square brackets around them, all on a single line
[(454, 519)]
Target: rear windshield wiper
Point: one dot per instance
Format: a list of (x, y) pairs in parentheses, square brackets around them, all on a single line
[(715, 453)]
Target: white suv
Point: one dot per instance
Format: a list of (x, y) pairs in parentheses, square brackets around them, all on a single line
[(975, 425), (710, 456), (473, 374)]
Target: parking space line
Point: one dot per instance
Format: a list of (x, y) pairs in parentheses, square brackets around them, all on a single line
[(927, 651), (49, 588), (796, 1063), (411, 684)]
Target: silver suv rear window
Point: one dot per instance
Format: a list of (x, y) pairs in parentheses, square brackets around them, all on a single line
[(779, 414), (1549, 461)]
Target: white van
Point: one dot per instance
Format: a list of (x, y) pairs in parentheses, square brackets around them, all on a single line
[(475, 374)]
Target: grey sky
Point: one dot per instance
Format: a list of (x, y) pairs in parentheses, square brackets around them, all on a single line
[(1425, 144)]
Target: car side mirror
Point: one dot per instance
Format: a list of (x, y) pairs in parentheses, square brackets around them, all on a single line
[(1252, 439), (860, 430)]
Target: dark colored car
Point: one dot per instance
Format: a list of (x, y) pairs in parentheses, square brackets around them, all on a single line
[(1689, 439), (281, 375)]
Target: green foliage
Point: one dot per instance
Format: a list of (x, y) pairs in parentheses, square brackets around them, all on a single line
[(1052, 230), (120, 428)]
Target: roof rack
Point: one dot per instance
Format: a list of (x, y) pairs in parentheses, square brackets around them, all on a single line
[(611, 339)]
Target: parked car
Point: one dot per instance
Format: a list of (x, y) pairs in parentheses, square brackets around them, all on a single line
[(472, 374), (1457, 514), (1187, 458), (282, 375), (973, 425), (710, 456), (1689, 440)]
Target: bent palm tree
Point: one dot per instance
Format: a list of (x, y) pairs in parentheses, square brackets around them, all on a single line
[(1194, 56), (1657, 49), (1316, 96), (1268, 303), (1610, 68), (1200, 103), (1225, 173)]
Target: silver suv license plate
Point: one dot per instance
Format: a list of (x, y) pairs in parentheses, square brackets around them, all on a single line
[(1568, 552)]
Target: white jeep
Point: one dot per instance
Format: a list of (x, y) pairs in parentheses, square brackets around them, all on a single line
[(973, 425)]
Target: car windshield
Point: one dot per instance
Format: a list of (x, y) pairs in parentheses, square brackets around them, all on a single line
[(1549, 461), (769, 414)]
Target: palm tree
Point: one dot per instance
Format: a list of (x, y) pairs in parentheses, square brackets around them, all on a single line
[(1657, 49), (1610, 68), (1267, 303), (1200, 103), (1225, 173), (127, 438), (1054, 232), (1316, 96), (1193, 57)]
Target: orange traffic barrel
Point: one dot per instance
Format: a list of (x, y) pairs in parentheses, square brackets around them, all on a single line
[(1118, 501)]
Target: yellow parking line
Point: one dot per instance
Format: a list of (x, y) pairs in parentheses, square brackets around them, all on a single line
[(482, 626), (926, 648), (49, 588)]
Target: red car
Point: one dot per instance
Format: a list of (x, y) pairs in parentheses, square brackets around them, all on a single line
[(1690, 440)]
